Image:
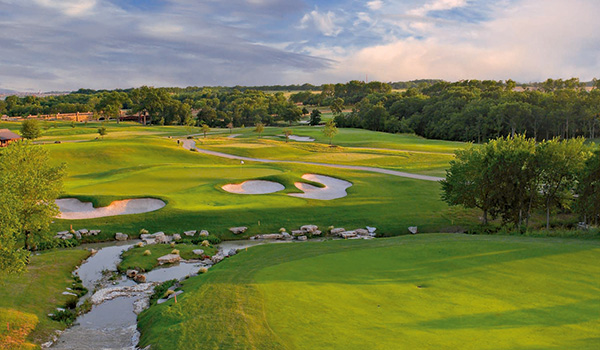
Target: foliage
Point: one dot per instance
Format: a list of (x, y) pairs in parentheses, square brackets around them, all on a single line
[(161, 290), (260, 127), (287, 132), (30, 129), (29, 187), (315, 117), (205, 129), (330, 130), (589, 189), (102, 131)]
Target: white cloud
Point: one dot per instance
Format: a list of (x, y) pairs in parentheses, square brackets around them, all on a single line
[(536, 40), (69, 7), (323, 22), (375, 4), (437, 5)]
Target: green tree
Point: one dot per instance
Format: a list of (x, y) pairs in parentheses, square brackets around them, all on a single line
[(30, 129), (260, 127), (330, 130), (30, 186), (287, 132), (468, 181), (589, 189), (205, 129), (337, 105), (230, 126), (291, 114), (102, 131), (315, 117), (560, 162), (304, 111)]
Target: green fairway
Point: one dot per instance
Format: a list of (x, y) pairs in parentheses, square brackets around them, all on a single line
[(438, 291), (26, 300)]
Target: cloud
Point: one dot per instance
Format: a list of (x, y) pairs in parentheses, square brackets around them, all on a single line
[(437, 5), (375, 5), (323, 22), (69, 7)]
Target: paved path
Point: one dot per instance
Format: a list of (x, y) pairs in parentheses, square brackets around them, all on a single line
[(189, 144)]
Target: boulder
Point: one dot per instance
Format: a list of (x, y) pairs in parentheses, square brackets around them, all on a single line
[(160, 237), (131, 273), (177, 237), (371, 229), (302, 238), (348, 234), (217, 258), (270, 236), (169, 259), (95, 232), (190, 233), (145, 236), (238, 230), (140, 278), (77, 235), (337, 231), (198, 251), (316, 233), (361, 232), (120, 236), (205, 233), (309, 228), (286, 235), (62, 233), (413, 229), (93, 251), (84, 231), (67, 236), (298, 233), (232, 252), (149, 241)]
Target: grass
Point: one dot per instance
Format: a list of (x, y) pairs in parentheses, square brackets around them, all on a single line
[(134, 258), (438, 291), (27, 299)]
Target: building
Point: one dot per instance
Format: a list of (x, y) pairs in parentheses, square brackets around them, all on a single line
[(7, 136)]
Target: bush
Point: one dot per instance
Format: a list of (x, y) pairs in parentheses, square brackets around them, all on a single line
[(139, 244), (205, 243), (143, 231), (147, 252), (210, 238), (71, 302), (67, 317), (56, 243), (202, 270), (172, 244), (175, 251)]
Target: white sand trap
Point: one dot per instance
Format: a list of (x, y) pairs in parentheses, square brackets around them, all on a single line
[(300, 138), (73, 208), (254, 187), (334, 188)]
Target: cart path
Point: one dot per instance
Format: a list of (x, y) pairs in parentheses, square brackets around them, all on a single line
[(189, 144)]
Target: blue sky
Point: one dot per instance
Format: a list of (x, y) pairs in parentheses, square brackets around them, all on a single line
[(68, 44)]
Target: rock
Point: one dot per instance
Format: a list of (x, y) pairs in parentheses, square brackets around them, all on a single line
[(131, 273), (286, 235), (198, 251), (177, 237), (120, 236), (190, 233), (93, 251), (77, 235), (67, 236), (238, 230), (84, 231), (348, 234), (205, 233), (298, 232), (140, 278), (95, 232), (169, 259), (316, 233), (371, 229), (361, 232), (302, 238), (145, 236), (413, 229), (69, 293), (149, 241), (58, 237), (217, 258), (337, 231), (309, 228), (232, 252), (62, 233), (160, 237)]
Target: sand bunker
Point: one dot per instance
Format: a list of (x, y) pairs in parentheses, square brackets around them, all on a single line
[(73, 208), (300, 138), (254, 187), (334, 188)]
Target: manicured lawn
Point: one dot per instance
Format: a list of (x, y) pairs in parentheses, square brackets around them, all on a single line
[(27, 299), (134, 258), (436, 291)]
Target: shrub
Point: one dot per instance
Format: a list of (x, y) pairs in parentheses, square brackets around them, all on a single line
[(139, 244), (205, 243), (175, 251), (143, 231), (71, 302), (147, 252), (67, 317), (202, 270), (172, 244), (282, 230), (212, 239)]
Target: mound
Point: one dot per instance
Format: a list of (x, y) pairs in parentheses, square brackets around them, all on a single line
[(334, 188), (254, 187), (73, 208)]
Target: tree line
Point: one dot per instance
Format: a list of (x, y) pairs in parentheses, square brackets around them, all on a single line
[(510, 177)]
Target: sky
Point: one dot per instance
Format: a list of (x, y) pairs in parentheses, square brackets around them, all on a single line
[(59, 45)]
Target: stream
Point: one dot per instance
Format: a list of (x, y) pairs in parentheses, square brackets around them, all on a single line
[(112, 323)]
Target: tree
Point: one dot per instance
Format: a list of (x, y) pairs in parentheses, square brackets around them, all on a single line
[(291, 114), (260, 127), (330, 130), (30, 129), (30, 186), (560, 164), (468, 181), (589, 189), (337, 106), (205, 129), (287, 132), (304, 110), (102, 131), (315, 117), (230, 126)]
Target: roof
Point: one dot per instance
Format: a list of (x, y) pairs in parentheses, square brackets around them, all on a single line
[(6, 134)]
